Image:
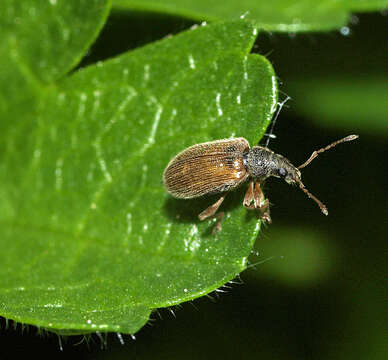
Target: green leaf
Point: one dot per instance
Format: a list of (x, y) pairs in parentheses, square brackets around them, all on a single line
[(45, 39), (40, 42), (357, 103), (279, 15), (91, 240)]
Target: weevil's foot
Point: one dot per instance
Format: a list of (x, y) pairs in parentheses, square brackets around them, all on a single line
[(266, 218), (265, 214), (218, 225)]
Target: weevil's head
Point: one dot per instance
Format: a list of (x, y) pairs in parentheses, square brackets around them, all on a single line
[(262, 163), (285, 170)]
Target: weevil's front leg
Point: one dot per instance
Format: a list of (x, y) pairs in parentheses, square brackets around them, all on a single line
[(255, 195), (261, 204), (212, 209), (249, 196)]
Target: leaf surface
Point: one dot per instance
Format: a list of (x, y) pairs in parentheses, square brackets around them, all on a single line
[(91, 240), (48, 38)]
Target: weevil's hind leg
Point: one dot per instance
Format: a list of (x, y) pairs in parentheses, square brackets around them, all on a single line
[(212, 209), (218, 226), (261, 204)]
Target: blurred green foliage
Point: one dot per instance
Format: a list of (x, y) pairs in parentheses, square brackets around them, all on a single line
[(275, 15)]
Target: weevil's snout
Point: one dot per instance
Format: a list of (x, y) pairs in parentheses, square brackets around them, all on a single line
[(293, 178), (285, 170)]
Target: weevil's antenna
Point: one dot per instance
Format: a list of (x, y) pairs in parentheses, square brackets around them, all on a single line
[(317, 152), (312, 197), (270, 135)]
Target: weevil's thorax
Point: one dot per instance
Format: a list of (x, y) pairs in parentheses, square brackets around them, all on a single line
[(262, 163)]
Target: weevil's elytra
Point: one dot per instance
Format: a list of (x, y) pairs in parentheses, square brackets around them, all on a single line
[(222, 165), (207, 168)]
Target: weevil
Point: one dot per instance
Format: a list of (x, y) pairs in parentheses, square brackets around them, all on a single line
[(222, 165)]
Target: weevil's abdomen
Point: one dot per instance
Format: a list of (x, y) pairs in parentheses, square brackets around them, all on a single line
[(207, 168)]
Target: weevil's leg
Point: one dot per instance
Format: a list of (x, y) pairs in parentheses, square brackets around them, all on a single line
[(249, 196), (266, 214), (212, 209), (258, 196), (218, 226), (261, 204)]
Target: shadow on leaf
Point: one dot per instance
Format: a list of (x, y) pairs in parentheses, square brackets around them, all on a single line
[(187, 210)]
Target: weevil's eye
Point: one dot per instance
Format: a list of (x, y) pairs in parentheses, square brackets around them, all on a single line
[(282, 172)]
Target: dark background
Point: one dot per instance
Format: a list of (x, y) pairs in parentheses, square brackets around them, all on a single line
[(319, 290)]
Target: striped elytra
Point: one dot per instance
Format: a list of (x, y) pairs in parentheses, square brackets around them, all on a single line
[(207, 168)]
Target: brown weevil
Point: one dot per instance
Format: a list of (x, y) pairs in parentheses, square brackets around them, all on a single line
[(222, 165)]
